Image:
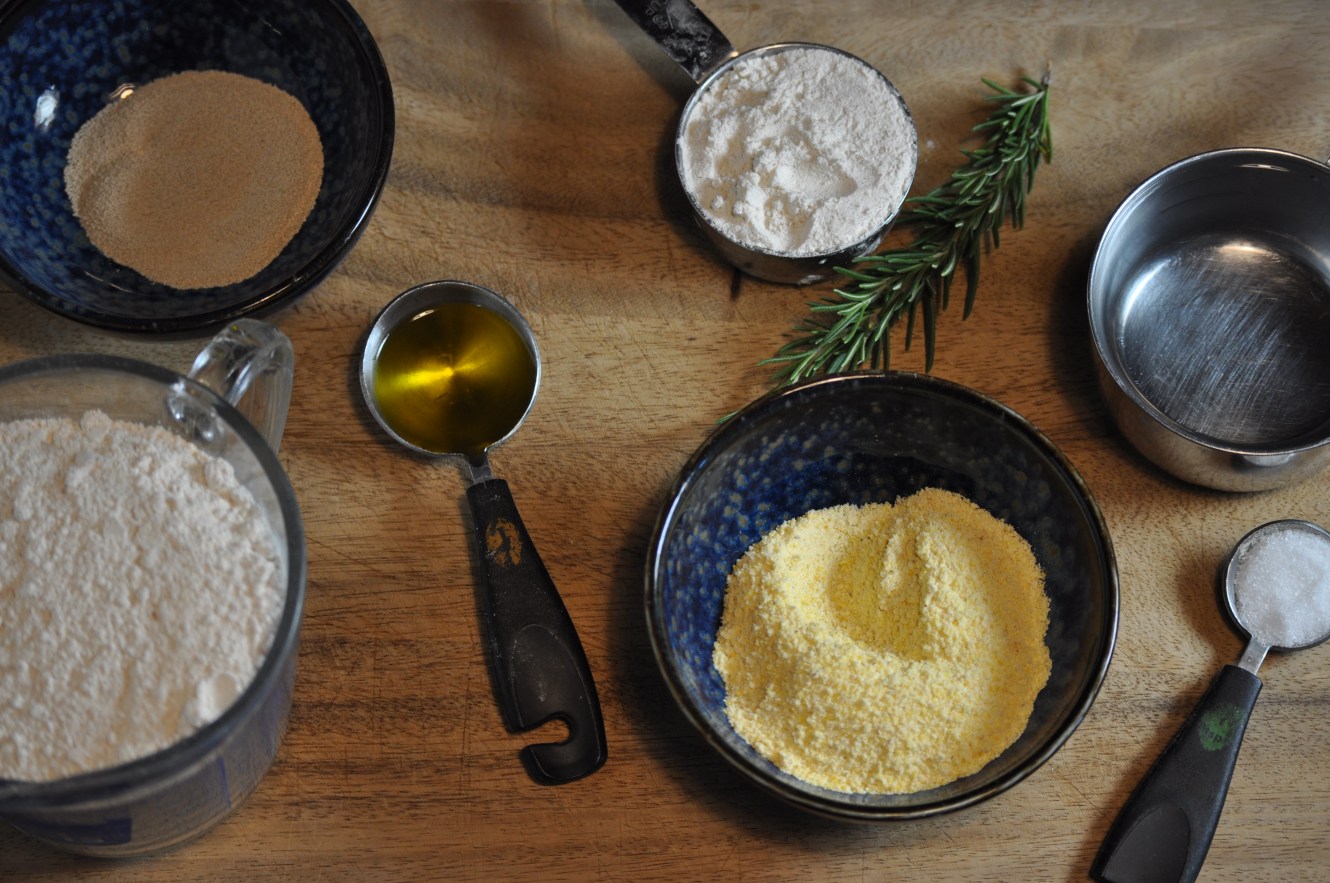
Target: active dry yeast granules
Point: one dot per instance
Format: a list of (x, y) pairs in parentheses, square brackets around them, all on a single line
[(196, 180), (884, 648), (140, 588)]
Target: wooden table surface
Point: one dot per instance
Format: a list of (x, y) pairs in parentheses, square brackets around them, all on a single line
[(533, 156)]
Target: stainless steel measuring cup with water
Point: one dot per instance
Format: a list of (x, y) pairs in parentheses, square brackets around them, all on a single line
[(1276, 589), (690, 39), (233, 406), (1209, 308)]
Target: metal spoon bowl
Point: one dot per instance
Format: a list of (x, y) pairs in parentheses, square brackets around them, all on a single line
[(1252, 597), (540, 670)]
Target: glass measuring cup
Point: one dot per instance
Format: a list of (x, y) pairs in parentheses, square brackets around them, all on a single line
[(690, 39), (459, 397), (1164, 830), (232, 405)]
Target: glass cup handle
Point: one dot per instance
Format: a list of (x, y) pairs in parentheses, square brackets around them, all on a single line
[(251, 365)]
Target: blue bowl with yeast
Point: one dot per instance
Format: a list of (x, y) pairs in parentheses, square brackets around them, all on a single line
[(63, 60), (868, 438)]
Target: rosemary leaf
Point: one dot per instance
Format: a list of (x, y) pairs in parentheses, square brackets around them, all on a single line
[(951, 226)]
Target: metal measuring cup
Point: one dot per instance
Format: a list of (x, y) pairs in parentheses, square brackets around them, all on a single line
[(1275, 594), (1207, 309), (689, 38), (540, 670)]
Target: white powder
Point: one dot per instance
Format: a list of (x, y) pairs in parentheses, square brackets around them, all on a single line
[(1284, 577), (801, 152), (139, 591)]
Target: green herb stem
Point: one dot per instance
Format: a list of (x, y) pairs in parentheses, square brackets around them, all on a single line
[(951, 226)]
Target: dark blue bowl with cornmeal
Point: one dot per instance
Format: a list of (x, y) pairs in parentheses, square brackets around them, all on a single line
[(63, 60), (870, 438)]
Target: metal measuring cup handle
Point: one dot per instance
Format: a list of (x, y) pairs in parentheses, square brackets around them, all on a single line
[(540, 669), (687, 36), (1164, 830)]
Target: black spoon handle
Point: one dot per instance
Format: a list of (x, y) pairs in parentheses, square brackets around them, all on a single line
[(1164, 830), (540, 670), (687, 36)]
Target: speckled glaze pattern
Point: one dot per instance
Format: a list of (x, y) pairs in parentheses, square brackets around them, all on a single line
[(62, 60), (870, 438)]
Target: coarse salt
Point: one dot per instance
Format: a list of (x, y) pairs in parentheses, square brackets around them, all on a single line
[(1282, 586)]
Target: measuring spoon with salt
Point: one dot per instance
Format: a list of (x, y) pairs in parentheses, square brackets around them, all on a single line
[(451, 369), (1277, 590), (794, 248)]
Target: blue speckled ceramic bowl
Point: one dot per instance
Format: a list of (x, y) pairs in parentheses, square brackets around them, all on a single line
[(864, 438), (62, 59)]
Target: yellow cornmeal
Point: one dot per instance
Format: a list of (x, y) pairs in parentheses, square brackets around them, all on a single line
[(884, 648)]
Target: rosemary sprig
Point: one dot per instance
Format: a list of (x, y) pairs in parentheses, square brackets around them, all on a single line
[(951, 226)]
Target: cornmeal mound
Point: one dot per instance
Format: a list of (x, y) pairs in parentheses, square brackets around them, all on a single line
[(884, 648)]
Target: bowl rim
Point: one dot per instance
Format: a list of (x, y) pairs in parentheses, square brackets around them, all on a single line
[(830, 807), (294, 286)]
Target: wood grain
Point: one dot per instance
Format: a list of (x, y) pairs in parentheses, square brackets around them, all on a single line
[(533, 157)]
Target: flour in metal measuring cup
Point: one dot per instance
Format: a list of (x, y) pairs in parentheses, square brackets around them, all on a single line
[(140, 588), (800, 152)]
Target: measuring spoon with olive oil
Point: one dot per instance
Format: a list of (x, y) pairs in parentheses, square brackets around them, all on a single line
[(451, 369)]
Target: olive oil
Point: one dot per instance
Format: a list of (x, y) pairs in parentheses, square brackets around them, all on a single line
[(454, 379)]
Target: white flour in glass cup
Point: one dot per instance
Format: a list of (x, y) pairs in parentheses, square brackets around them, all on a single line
[(140, 588)]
